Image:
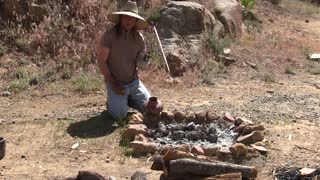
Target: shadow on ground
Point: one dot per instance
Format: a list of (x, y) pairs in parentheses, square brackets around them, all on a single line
[(97, 126)]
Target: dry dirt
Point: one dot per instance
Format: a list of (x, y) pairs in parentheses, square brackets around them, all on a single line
[(41, 126)]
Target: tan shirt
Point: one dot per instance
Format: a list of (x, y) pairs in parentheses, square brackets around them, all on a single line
[(124, 50)]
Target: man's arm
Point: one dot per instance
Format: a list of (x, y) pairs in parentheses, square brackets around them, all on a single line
[(102, 56)]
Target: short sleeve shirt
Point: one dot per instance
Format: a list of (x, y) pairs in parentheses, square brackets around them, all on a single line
[(124, 50)]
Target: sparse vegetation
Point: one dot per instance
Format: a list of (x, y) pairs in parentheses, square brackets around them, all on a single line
[(300, 7), (218, 44), (87, 82), (314, 68), (269, 78), (214, 69), (290, 70)]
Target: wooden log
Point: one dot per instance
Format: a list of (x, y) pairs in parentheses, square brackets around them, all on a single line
[(229, 176), (185, 166)]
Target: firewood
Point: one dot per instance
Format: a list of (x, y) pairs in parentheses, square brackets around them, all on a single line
[(229, 176), (198, 168)]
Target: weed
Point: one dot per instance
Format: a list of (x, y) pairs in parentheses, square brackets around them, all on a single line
[(122, 122), (214, 69), (218, 44), (269, 77), (155, 15), (23, 46), (3, 50), (19, 85), (248, 3), (290, 70), (306, 50), (87, 82), (66, 74), (300, 7), (21, 73), (154, 50), (126, 151), (314, 68)]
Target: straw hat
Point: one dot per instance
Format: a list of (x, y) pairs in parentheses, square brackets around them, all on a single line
[(129, 9)]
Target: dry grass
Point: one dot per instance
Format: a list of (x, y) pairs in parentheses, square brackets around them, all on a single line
[(299, 7)]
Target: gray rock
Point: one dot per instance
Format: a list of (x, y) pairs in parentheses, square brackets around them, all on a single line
[(139, 175)]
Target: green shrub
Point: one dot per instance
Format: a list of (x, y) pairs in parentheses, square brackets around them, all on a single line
[(218, 44), (248, 3), (269, 78), (87, 82), (289, 70)]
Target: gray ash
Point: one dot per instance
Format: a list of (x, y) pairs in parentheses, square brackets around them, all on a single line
[(194, 134)]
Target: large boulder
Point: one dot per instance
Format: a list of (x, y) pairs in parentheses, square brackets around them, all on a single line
[(22, 11), (229, 13), (183, 27)]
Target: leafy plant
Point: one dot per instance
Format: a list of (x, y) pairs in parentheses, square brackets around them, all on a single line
[(155, 15), (87, 82), (269, 77), (218, 44), (290, 70), (248, 3)]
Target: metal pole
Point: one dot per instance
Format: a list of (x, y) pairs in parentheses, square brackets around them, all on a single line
[(164, 56)]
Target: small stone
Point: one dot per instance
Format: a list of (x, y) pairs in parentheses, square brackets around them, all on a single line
[(179, 116), (306, 171), (223, 152), (184, 148), (89, 175), (212, 116), (211, 151), (140, 137), (240, 120), (23, 156), (197, 150), (76, 145), (190, 117), (270, 91), (201, 117), (143, 147), (251, 138), (250, 129), (228, 117), (112, 178), (133, 130), (6, 94), (166, 117), (238, 150), (136, 118), (259, 148), (139, 175)]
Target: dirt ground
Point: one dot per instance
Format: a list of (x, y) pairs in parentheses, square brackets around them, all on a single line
[(41, 126)]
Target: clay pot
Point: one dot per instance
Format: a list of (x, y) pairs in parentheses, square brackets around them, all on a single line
[(153, 106), (2, 147)]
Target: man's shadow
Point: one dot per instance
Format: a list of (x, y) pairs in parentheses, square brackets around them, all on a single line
[(97, 126)]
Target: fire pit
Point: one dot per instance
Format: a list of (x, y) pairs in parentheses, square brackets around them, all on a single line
[(206, 131), (189, 139)]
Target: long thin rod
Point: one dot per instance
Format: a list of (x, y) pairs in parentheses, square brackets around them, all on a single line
[(164, 56)]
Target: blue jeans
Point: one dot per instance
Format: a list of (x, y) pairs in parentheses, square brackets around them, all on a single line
[(136, 95)]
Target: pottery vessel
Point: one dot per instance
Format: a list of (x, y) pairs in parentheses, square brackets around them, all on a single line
[(153, 106), (2, 147)]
